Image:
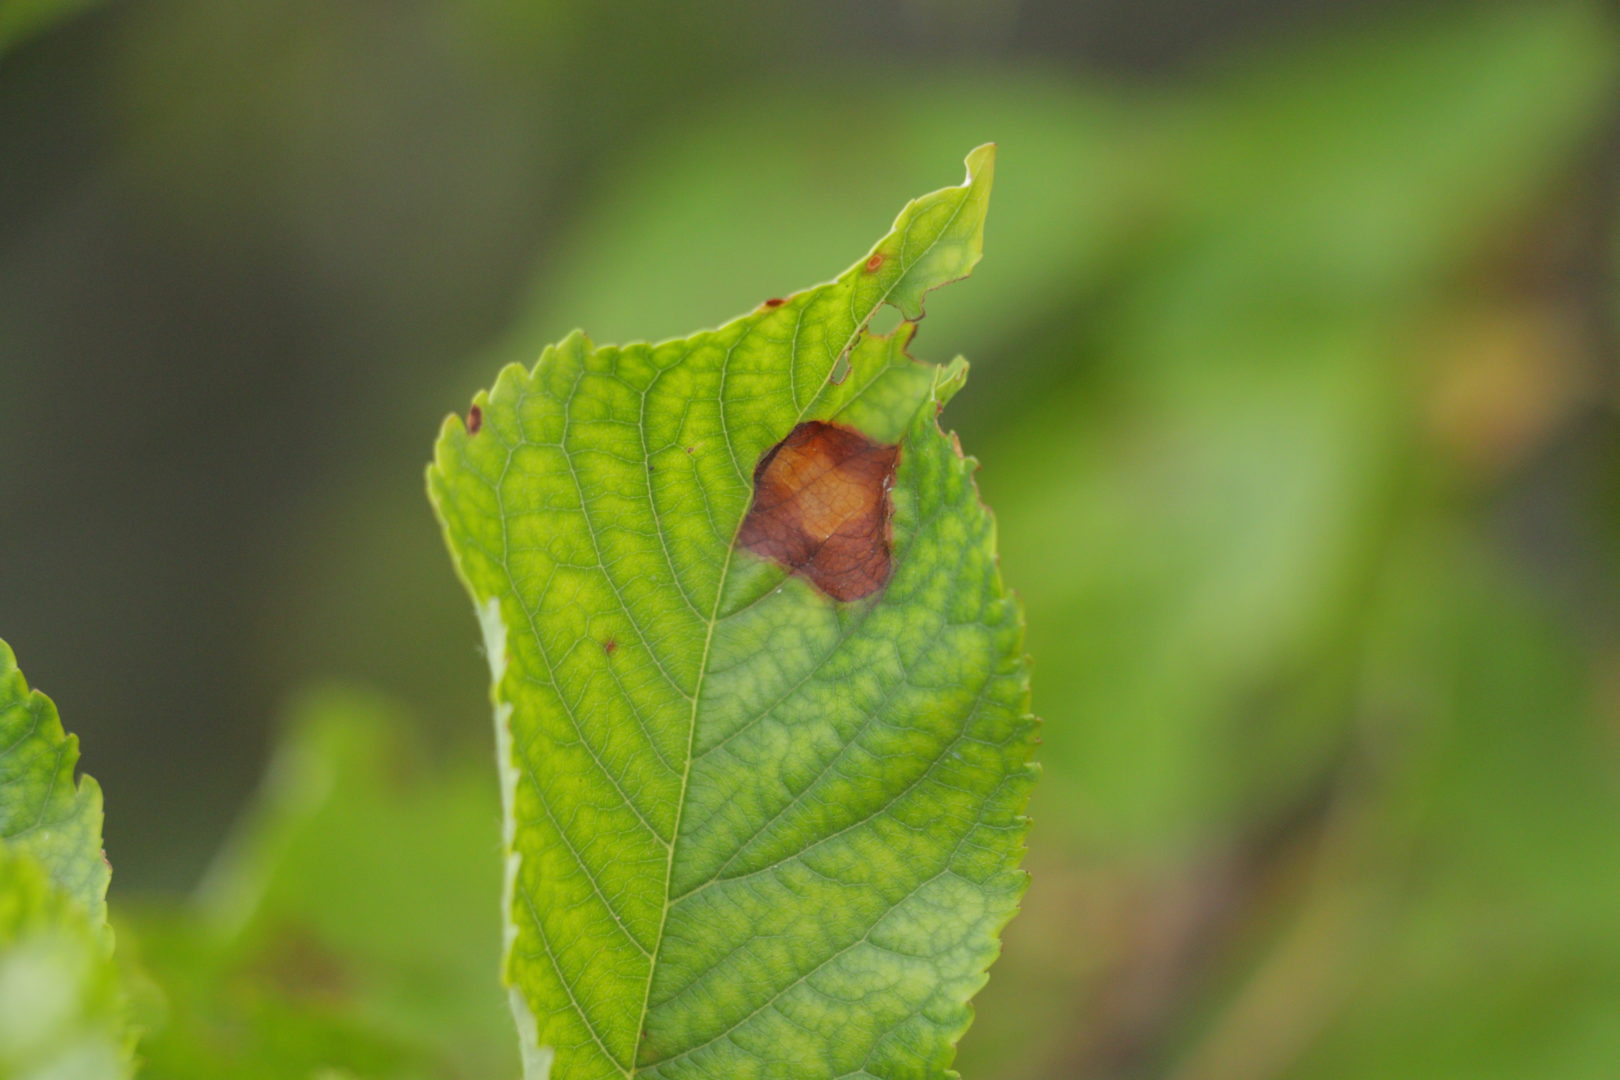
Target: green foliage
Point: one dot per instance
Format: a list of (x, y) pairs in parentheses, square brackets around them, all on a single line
[(1272, 281), (43, 811), (1497, 811), (751, 830), (1235, 461), (350, 922), (1296, 455), (61, 1007)]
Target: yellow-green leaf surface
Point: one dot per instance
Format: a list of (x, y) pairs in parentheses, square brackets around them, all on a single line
[(752, 831), (42, 810), (61, 1006)]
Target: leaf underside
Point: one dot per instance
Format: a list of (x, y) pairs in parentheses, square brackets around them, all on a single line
[(752, 830)]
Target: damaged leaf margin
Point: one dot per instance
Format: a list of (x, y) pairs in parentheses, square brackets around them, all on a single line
[(750, 826)]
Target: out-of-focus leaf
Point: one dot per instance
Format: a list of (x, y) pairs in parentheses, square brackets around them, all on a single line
[(1226, 467), (1458, 920), (1226, 478), (1354, 176), (61, 1009), (755, 827), (770, 188), (352, 922), (22, 19)]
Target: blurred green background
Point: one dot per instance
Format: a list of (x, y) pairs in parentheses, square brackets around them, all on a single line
[(1295, 351)]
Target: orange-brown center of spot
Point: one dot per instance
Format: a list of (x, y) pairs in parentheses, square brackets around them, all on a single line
[(821, 508)]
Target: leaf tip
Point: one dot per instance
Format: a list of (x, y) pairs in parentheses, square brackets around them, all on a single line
[(981, 166), (937, 238)]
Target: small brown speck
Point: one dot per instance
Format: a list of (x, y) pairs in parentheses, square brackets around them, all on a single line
[(775, 301), (689, 449), (874, 262), (475, 420), (610, 646)]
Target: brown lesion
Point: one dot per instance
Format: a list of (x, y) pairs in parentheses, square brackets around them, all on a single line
[(821, 508)]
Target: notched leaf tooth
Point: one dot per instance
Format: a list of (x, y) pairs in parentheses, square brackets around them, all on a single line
[(949, 227)]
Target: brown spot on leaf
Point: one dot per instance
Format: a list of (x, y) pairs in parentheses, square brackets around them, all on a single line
[(821, 508), (475, 420), (610, 646), (775, 301), (874, 262)]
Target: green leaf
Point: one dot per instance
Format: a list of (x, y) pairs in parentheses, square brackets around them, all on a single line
[(42, 811), (752, 830), (61, 1008), (1320, 236), (281, 965)]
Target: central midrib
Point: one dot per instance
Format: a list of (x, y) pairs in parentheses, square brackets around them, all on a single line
[(714, 620)]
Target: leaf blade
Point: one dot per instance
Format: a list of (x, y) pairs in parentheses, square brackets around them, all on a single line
[(61, 1003), (43, 811), (593, 513), (62, 1008)]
